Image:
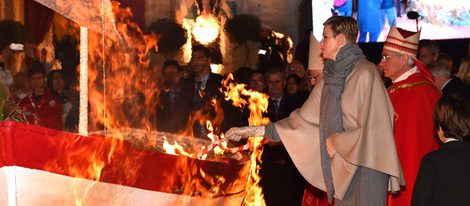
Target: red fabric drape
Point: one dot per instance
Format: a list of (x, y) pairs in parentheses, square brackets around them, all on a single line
[(38, 19), (43, 149), (314, 197)]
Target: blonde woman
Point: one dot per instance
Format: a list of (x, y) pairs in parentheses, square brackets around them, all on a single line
[(464, 70)]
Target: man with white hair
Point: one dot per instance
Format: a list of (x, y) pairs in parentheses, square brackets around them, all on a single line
[(413, 95), (444, 81)]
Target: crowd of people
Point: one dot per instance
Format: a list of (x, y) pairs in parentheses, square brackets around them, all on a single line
[(34, 91), (337, 127), (355, 139), (287, 86)]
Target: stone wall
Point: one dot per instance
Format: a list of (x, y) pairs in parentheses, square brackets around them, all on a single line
[(12, 9), (281, 15), (291, 17)]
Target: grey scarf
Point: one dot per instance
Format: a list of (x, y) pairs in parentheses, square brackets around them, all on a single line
[(334, 75)]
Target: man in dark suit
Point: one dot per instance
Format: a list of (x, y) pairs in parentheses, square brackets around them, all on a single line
[(202, 86), (280, 104), (443, 177), (448, 84), (172, 109), (281, 181)]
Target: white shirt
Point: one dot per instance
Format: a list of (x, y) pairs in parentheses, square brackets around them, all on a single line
[(203, 82), (5, 77), (406, 74), (444, 85)]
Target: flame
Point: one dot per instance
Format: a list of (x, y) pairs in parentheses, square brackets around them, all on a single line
[(84, 163), (219, 149), (169, 149), (123, 64), (217, 68), (123, 94), (187, 47), (175, 149), (211, 129), (122, 90), (254, 193), (258, 103), (224, 45), (131, 99), (95, 171)]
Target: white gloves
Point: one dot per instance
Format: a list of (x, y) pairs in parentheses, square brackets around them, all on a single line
[(237, 133)]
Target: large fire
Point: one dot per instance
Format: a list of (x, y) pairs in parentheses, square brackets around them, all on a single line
[(123, 95), (117, 70), (206, 29), (258, 103)]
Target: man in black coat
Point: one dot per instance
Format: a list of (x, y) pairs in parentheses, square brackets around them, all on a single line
[(172, 109), (281, 181), (448, 84), (201, 87)]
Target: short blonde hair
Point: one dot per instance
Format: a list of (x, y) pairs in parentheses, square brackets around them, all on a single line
[(464, 70), (343, 25)]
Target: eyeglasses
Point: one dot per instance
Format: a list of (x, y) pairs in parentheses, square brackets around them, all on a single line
[(386, 58), (292, 69)]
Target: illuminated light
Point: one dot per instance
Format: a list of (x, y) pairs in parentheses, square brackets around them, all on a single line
[(206, 29)]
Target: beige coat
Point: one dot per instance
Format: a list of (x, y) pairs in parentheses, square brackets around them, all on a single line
[(367, 141)]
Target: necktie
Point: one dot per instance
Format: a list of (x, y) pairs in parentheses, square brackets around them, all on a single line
[(275, 103), (278, 103), (198, 85), (197, 98)]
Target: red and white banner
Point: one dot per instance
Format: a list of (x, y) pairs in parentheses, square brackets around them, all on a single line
[(40, 166)]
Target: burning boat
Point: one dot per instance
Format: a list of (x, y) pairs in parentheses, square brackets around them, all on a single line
[(49, 167)]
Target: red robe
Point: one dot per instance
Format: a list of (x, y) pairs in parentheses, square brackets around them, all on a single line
[(46, 112), (314, 197), (413, 101)]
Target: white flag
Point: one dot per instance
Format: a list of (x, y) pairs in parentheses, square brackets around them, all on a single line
[(96, 15)]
